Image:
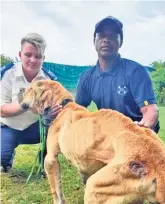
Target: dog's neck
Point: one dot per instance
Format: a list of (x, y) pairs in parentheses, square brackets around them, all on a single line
[(74, 106)]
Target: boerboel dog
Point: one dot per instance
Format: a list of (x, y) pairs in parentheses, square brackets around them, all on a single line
[(124, 163)]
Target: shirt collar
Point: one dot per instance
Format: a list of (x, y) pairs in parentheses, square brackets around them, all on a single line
[(111, 71), (19, 72), (40, 75)]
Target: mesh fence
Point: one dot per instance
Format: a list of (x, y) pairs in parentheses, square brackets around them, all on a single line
[(67, 75)]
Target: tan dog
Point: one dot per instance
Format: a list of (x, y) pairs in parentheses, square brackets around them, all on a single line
[(124, 162)]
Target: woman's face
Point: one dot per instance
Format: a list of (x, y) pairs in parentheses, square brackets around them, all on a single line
[(31, 58)]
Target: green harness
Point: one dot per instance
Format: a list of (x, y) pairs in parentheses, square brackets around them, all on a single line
[(40, 151)]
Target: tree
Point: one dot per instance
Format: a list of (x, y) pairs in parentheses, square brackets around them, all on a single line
[(158, 79), (5, 60)]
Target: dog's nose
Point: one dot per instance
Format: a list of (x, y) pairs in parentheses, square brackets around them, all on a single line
[(25, 106)]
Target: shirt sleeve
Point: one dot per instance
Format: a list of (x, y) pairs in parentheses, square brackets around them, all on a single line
[(82, 93), (141, 87), (6, 88)]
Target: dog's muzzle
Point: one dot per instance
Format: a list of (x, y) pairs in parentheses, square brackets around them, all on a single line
[(46, 120)]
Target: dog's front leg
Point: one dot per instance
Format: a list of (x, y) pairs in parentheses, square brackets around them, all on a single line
[(52, 168), (60, 194)]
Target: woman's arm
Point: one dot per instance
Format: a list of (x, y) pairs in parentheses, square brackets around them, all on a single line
[(11, 110)]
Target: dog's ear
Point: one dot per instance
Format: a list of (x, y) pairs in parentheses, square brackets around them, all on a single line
[(137, 168), (47, 99), (39, 91)]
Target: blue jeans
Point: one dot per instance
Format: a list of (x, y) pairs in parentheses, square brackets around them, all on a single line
[(11, 138)]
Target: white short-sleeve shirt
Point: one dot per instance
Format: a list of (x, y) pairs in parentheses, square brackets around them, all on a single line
[(12, 84)]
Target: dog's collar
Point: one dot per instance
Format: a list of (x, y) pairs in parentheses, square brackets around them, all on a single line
[(65, 101)]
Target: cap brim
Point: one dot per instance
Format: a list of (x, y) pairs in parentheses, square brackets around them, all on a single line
[(111, 22)]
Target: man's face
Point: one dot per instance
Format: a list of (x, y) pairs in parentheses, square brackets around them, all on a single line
[(31, 58), (107, 42)]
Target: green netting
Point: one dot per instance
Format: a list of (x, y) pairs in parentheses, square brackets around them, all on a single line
[(67, 75)]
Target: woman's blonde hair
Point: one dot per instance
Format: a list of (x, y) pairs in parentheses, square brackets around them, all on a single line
[(35, 39)]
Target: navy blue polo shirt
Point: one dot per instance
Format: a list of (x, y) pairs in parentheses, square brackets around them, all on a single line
[(125, 87)]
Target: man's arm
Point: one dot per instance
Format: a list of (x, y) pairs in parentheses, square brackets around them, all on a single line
[(143, 93), (150, 116), (83, 97)]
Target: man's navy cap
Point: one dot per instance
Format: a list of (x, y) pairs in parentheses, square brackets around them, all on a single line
[(110, 20)]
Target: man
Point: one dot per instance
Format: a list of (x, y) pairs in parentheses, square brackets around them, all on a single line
[(21, 126), (117, 83)]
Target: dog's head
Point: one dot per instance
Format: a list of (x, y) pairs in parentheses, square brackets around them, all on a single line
[(40, 96)]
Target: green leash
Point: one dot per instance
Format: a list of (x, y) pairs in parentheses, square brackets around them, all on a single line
[(40, 151)]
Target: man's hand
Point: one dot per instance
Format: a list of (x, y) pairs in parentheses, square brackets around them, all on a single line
[(150, 116), (55, 110), (50, 114), (142, 123)]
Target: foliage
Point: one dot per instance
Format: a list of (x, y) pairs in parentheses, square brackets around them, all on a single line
[(158, 79), (5, 60), (162, 123)]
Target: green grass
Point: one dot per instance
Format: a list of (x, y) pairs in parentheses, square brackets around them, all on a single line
[(15, 191), (162, 123)]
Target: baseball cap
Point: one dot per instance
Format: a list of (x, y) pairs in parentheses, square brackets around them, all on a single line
[(110, 20)]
